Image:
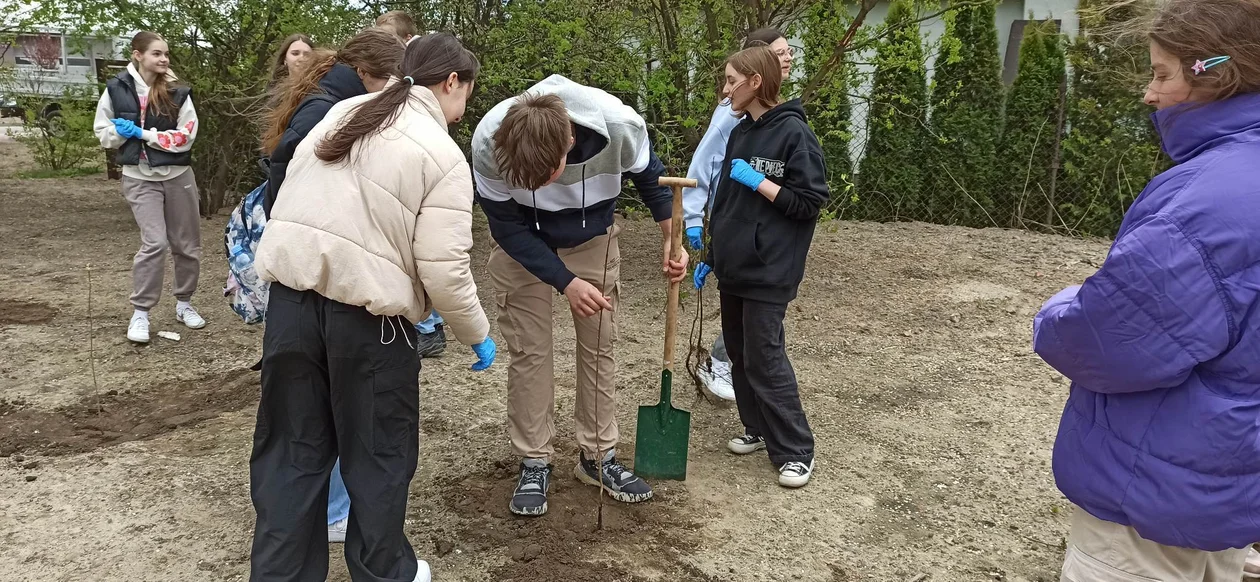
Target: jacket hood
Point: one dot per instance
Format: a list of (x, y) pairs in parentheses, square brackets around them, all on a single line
[(1188, 130), (342, 82), (780, 113), (587, 113), (583, 109), (138, 79)]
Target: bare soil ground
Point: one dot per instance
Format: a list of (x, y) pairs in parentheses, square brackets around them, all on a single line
[(934, 420)]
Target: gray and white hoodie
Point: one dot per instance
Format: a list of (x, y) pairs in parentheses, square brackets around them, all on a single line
[(611, 142)]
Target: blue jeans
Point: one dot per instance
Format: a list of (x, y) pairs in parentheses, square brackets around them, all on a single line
[(430, 325), (338, 497)]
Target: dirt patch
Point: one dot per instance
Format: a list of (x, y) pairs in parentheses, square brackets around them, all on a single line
[(117, 417), (13, 312), (932, 417), (569, 543)]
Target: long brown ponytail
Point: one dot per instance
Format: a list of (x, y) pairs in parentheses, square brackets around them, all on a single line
[(429, 60), (374, 52), (160, 102)]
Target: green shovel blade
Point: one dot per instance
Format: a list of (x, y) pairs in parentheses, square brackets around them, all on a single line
[(660, 449)]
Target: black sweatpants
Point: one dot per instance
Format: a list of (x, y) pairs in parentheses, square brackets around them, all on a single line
[(766, 393), (336, 380)]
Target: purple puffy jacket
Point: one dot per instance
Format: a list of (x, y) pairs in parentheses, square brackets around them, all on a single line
[(1161, 431)]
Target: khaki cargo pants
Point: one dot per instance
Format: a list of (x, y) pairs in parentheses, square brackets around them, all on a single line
[(1102, 551), (525, 320)]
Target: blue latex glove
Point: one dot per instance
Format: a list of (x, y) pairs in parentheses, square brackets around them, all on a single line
[(744, 174), (485, 354), (702, 272), (693, 237), (127, 129)]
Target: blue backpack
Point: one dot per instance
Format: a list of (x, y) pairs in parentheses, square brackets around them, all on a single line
[(245, 290)]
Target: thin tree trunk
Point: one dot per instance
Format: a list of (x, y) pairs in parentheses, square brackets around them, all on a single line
[(1058, 148)]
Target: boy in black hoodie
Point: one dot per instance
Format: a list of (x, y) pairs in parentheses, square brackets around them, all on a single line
[(762, 225)]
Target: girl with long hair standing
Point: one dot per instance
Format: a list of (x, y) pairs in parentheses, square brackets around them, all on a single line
[(363, 65), (774, 183), (371, 230), (705, 169), (150, 120)]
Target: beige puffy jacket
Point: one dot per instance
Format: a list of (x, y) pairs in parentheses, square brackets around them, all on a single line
[(389, 229)]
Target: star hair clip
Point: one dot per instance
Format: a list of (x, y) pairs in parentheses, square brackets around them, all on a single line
[(1201, 66)]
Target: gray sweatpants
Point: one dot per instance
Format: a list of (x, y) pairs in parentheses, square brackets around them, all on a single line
[(169, 218)]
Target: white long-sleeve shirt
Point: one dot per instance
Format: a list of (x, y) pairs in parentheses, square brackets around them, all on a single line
[(176, 140), (706, 164)]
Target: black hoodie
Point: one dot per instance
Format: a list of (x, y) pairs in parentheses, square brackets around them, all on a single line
[(340, 82), (758, 247)]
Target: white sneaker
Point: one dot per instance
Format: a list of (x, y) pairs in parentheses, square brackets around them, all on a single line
[(422, 573), (795, 474), (138, 329), (716, 379), (189, 317), (337, 531)]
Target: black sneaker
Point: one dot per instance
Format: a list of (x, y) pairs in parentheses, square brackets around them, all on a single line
[(619, 482), (746, 444), (431, 345), (530, 497)]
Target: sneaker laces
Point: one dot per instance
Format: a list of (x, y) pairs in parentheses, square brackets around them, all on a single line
[(533, 476), (615, 470), (795, 467)]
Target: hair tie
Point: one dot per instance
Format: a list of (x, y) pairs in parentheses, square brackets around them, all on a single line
[(1201, 66), (409, 80)]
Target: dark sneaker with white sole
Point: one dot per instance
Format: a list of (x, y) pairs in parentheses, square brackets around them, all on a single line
[(618, 481), (746, 444), (795, 474), (530, 497)]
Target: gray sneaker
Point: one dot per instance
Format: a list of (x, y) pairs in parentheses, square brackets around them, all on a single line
[(431, 345), (530, 497), (618, 481)]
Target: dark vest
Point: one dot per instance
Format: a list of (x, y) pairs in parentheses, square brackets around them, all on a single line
[(122, 93)]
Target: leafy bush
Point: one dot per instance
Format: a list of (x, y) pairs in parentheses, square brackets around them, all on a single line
[(830, 110), (890, 180), (1111, 150), (966, 118), (58, 130), (1031, 131)]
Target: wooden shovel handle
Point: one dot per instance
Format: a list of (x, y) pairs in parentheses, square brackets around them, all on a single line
[(676, 234)]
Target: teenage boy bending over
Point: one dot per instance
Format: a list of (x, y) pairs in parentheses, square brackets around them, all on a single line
[(548, 166)]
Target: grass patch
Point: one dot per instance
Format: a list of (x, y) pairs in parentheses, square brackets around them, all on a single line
[(44, 174)]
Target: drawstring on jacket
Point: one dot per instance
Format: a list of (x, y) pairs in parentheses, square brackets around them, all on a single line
[(534, 193), (394, 332), (537, 226)]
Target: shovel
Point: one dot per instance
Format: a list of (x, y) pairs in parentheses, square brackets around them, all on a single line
[(660, 450)]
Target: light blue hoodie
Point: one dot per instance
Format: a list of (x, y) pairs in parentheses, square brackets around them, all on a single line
[(706, 164)]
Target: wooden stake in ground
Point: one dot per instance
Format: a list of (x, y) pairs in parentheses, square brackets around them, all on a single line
[(92, 343)]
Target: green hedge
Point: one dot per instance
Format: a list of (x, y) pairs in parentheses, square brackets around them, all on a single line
[(890, 179)]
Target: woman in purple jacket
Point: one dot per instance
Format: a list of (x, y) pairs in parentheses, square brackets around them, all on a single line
[(1159, 445)]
